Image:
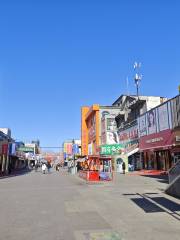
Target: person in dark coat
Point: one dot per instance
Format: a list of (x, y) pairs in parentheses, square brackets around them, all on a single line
[(124, 167), (48, 167)]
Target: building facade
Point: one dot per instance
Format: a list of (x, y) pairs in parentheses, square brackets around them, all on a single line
[(159, 135), (98, 126)]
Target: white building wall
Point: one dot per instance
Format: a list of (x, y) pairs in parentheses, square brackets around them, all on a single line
[(153, 102)]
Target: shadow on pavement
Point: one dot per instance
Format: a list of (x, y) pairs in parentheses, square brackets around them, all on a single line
[(167, 203), (151, 204), (160, 178), (16, 173), (147, 205)]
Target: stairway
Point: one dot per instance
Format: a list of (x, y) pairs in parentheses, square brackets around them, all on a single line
[(174, 181)]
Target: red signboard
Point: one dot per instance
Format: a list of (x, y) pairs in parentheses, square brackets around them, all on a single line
[(128, 134), (161, 140), (69, 148), (89, 175)]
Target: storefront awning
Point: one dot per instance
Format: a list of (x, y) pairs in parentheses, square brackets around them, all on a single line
[(81, 159), (133, 152)]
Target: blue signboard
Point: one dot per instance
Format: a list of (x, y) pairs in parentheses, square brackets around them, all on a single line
[(75, 149)]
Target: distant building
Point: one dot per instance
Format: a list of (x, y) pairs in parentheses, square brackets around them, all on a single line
[(6, 131), (33, 146), (37, 142), (71, 147)]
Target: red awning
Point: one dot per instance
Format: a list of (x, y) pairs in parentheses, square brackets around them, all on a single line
[(162, 140)]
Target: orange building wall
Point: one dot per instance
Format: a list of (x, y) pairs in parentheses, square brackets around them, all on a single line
[(84, 131), (87, 115)]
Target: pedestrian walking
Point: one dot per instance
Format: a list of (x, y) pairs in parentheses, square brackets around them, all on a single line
[(48, 167), (124, 167), (36, 167), (44, 168), (57, 167)]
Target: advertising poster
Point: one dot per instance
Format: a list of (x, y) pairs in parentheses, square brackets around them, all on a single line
[(92, 128), (12, 149), (151, 120), (111, 124), (142, 126), (175, 106), (109, 111), (112, 138), (90, 149), (103, 125), (75, 149), (69, 148), (163, 117), (65, 147), (103, 138), (129, 138)]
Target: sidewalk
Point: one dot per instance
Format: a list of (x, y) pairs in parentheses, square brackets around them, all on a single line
[(15, 173), (136, 208)]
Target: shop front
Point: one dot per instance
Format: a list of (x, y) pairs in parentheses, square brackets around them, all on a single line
[(117, 154), (156, 150), (96, 168)]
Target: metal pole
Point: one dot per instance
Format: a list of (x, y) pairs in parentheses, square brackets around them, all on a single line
[(137, 77)]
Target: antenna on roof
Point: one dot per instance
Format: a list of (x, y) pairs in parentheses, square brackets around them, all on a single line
[(127, 84), (138, 76)]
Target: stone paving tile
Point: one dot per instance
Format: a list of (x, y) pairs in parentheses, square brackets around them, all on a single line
[(97, 235), (87, 220), (60, 206)]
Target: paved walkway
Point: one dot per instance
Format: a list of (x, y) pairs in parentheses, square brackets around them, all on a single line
[(59, 206)]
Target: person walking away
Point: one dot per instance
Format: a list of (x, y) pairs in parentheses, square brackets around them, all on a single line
[(44, 168), (36, 167), (58, 167), (48, 166), (124, 167)]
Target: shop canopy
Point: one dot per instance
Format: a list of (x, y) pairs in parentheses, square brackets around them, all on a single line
[(133, 152), (81, 159)]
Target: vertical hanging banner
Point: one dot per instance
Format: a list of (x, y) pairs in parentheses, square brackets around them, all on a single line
[(75, 149), (5, 149)]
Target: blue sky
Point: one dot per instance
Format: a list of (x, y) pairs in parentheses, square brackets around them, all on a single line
[(56, 56)]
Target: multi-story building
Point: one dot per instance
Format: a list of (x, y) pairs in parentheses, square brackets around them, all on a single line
[(97, 124), (131, 107), (4, 152), (115, 127), (159, 133)]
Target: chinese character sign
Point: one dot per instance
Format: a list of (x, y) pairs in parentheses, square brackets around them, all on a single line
[(111, 149)]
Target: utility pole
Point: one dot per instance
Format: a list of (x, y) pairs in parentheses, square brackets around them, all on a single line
[(137, 77)]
